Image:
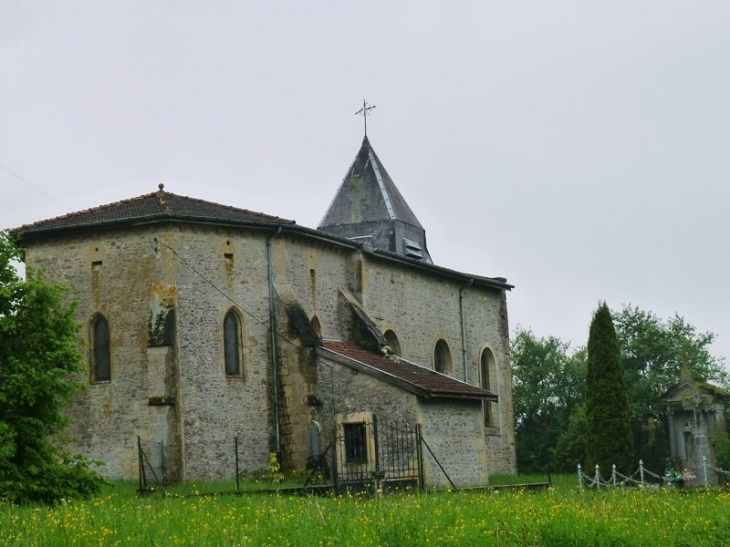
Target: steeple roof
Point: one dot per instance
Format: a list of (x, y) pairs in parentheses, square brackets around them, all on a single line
[(367, 193), (369, 207)]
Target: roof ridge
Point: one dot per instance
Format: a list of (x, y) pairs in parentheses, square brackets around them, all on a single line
[(373, 159), (153, 205)]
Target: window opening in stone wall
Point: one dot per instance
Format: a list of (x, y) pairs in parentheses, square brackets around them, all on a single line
[(487, 373), (228, 257), (313, 287), (442, 357), (100, 350), (314, 439), (96, 265), (356, 447), (316, 325), (393, 341), (232, 343), (168, 329)]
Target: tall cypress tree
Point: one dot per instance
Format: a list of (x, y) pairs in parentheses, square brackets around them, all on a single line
[(609, 430)]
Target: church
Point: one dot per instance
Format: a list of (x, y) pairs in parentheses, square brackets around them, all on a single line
[(207, 325)]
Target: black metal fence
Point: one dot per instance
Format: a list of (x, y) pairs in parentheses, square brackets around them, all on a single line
[(378, 454), (366, 456), (155, 466)]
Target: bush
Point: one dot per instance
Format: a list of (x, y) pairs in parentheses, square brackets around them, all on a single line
[(39, 355)]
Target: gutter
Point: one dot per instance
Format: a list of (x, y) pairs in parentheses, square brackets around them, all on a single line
[(463, 327), (273, 339), (31, 232)]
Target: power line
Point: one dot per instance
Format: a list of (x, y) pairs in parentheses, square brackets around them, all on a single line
[(209, 282), (49, 196)]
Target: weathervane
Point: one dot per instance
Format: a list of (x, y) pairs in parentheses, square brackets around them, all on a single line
[(364, 111)]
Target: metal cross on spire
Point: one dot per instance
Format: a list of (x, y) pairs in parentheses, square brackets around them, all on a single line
[(364, 111)]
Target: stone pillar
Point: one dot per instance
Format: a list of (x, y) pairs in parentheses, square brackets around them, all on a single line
[(673, 448)]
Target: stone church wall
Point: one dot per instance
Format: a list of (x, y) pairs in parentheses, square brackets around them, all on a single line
[(422, 308), (110, 273), (351, 392), (223, 270), (419, 307), (202, 272), (313, 273), (453, 431), (346, 392)]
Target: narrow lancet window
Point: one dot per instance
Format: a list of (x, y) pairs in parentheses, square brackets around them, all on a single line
[(100, 350), (232, 343)]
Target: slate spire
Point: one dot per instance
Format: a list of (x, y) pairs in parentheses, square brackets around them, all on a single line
[(369, 208)]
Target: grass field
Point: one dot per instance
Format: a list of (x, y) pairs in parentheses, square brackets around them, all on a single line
[(561, 516)]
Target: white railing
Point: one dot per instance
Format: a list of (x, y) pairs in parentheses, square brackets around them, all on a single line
[(639, 477)]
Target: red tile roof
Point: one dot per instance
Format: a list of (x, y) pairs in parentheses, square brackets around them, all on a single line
[(420, 380)]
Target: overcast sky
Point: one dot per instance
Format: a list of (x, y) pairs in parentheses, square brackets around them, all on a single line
[(579, 149)]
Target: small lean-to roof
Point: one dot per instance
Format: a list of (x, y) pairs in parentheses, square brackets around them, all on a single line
[(422, 381), (154, 207)]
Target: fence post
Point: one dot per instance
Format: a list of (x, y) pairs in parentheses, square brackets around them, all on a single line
[(704, 469), (376, 475), (162, 461), (419, 455), (641, 471), (613, 474), (597, 478), (142, 478), (580, 476), (238, 471), (335, 470)]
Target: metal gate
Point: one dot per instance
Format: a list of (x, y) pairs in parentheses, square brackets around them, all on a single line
[(380, 455), (152, 460)]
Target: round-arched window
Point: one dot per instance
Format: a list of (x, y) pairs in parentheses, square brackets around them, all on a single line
[(488, 381), (393, 341), (232, 343), (442, 357)]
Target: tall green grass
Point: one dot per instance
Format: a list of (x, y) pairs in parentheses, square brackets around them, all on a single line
[(560, 516)]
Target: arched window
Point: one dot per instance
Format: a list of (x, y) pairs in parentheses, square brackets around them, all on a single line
[(487, 379), (100, 350), (393, 341), (232, 343), (442, 357), (314, 439)]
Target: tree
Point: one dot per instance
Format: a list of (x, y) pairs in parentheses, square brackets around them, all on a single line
[(570, 448), (609, 437), (652, 351), (548, 382), (39, 355)]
